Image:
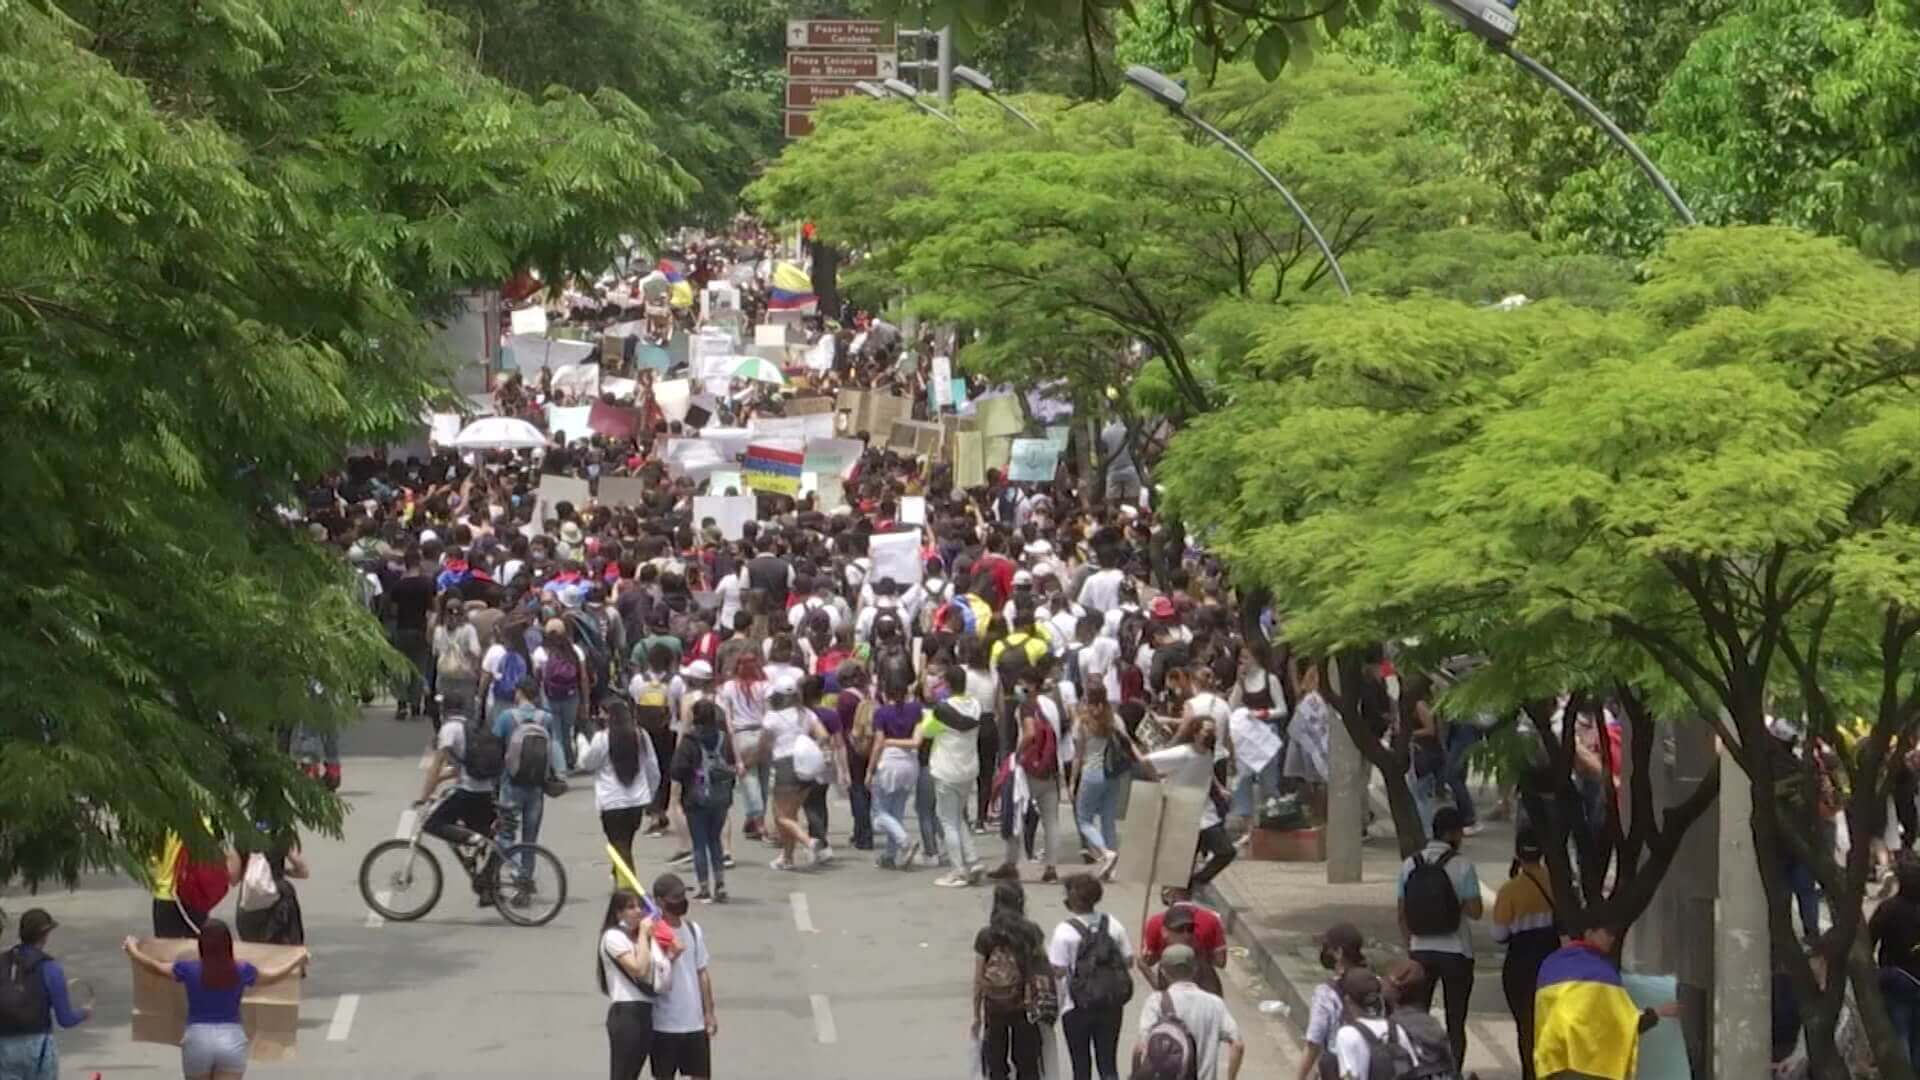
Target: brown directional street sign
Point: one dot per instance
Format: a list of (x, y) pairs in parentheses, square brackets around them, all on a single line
[(839, 34), (843, 67), (799, 125), (808, 95)]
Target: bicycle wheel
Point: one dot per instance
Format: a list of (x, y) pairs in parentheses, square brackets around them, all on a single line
[(400, 881), (529, 885)]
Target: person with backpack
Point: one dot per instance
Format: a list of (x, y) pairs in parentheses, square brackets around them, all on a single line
[(1439, 891), (1104, 755), (625, 775), (1183, 1027), (564, 680), (1373, 1045), (1013, 991), (1033, 778), (1092, 957), (706, 766), (457, 655), (505, 667), (652, 692), (33, 998), (472, 757), (529, 769)]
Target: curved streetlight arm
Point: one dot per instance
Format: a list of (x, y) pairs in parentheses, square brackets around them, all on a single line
[(1011, 111), (1326, 252), (1565, 89), (931, 111)]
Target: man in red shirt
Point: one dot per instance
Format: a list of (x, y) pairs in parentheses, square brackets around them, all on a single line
[(1000, 568), (1184, 923)]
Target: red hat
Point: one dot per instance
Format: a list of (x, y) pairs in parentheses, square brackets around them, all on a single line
[(1161, 608)]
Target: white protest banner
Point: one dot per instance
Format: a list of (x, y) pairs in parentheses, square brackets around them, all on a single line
[(532, 353), (674, 397), (830, 496), (532, 320), (555, 490), (770, 335), (913, 510), (443, 427), (732, 441), (621, 389), (572, 421), (719, 386), (730, 513), (711, 353), (940, 382), (622, 491), (895, 555), (837, 456), (694, 457), (815, 426), (820, 355), (1032, 461), (578, 380), (719, 483)]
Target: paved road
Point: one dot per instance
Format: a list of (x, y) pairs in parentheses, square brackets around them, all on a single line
[(846, 973)]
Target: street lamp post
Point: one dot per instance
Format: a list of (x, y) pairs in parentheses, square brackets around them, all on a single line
[(979, 81), (1174, 97), (900, 89), (1493, 22)]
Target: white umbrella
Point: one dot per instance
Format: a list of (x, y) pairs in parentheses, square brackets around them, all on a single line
[(499, 433), (758, 369)]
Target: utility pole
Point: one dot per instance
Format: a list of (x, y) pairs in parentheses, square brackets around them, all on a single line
[(941, 64)]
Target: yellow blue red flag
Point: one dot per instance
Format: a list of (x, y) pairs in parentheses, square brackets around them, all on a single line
[(1585, 1024)]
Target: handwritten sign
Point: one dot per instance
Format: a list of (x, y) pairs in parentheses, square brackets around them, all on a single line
[(531, 320), (1000, 415), (730, 512), (555, 490), (896, 555), (622, 491), (913, 510), (1032, 461)]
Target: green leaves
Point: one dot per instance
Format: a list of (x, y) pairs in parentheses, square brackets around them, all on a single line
[(1270, 54)]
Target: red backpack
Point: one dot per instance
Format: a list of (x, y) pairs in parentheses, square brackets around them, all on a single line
[(1040, 757), (199, 885)]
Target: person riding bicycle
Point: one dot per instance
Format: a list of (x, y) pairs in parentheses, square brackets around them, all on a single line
[(466, 815)]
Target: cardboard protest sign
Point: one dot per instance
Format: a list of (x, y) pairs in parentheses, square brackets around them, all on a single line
[(271, 1014), (571, 421), (579, 380), (555, 490), (773, 469), (836, 456), (443, 427), (1058, 434), (673, 396), (730, 512), (695, 457), (873, 413), (811, 406), (829, 494), (969, 460), (815, 426), (1000, 415), (725, 482), (622, 491), (732, 441), (613, 421), (895, 555), (1156, 837), (622, 389), (770, 335), (913, 510), (1033, 461), (531, 353), (532, 320), (613, 350), (914, 437)]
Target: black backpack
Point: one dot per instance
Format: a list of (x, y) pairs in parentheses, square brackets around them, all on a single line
[(23, 996), (1100, 977), (591, 637), (1433, 905), (486, 756)]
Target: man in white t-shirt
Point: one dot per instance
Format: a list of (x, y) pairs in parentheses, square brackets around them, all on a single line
[(1365, 1007), (1101, 591), (1205, 1016), (684, 1022), (1091, 1032)]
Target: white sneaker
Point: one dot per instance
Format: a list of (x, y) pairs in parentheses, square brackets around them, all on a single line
[(1474, 829), (781, 863), (823, 852), (955, 880)]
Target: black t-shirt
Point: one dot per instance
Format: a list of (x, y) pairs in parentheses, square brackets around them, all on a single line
[(768, 573), (412, 598), (1895, 928), (633, 606), (1024, 937)]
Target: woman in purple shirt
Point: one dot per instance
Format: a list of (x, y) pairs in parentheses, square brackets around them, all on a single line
[(215, 1044), (893, 773)]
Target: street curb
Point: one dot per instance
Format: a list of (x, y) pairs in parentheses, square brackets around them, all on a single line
[(1221, 898)]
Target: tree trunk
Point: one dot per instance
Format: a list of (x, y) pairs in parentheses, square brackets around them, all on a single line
[(1389, 757)]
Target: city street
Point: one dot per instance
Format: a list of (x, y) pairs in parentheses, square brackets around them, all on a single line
[(842, 974)]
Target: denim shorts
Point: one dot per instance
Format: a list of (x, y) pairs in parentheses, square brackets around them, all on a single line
[(206, 1047)]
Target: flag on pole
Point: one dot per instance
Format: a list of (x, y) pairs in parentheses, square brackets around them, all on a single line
[(790, 289)]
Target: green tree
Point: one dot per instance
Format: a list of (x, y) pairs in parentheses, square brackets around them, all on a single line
[(1707, 496), (218, 232)]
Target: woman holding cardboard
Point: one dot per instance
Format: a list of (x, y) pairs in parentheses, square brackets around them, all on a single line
[(214, 1046)]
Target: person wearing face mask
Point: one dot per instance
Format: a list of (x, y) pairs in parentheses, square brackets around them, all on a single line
[(791, 736), (633, 967), (684, 1022), (1340, 952)]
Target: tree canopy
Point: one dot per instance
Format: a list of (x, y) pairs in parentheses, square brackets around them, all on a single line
[(219, 233)]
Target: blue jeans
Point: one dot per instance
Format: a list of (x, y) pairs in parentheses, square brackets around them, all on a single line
[(1806, 895), (709, 862), (1249, 788), (1098, 808), (751, 791), (923, 809), (1426, 795), (1902, 995), (1460, 740), (531, 803), (889, 810), (563, 711)]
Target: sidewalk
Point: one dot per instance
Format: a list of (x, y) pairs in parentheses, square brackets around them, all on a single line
[(1276, 911)]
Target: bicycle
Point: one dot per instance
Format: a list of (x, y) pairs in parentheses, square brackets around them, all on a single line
[(397, 868)]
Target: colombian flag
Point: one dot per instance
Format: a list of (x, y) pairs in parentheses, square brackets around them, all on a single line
[(1585, 1025), (790, 290), (674, 272)]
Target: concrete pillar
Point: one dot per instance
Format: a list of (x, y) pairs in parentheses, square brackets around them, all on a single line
[(1652, 945), (1346, 805), (1742, 984), (1695, 881)]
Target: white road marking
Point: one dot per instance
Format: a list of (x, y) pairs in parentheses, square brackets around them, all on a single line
[(802, 917), (823, 1028), (342, 1024), (373, 917), (405, 828)]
